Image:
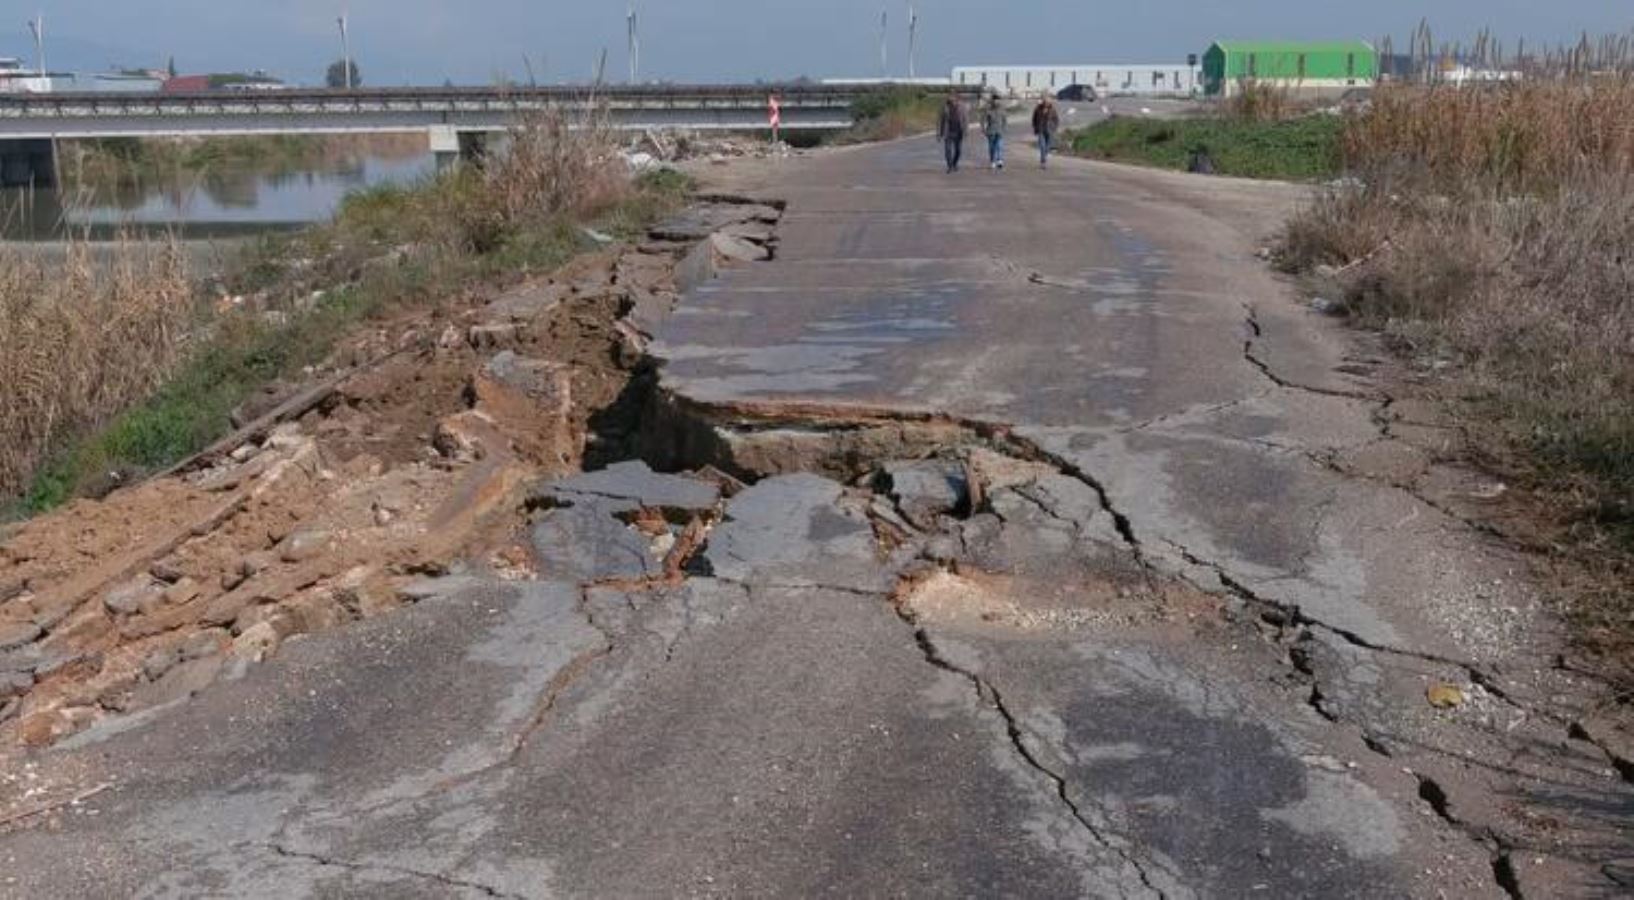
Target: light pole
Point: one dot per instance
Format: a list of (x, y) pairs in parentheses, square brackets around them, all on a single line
[(37, 26), (913, 36), (885, 43), (633, 28), (345, 51)]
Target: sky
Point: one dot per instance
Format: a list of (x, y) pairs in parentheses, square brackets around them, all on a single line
[(399, 42)]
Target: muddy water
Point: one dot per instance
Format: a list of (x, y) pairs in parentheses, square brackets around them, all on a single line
[(219, 203)]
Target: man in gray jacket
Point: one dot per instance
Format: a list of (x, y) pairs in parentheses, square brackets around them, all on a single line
[(951, 129)]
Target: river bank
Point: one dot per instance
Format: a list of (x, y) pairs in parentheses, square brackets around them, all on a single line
[(276, 306)]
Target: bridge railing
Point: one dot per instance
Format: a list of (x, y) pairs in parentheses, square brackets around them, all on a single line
[(222, 102)]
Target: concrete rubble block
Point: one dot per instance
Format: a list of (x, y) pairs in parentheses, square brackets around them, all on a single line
[(795, 530), (627, 486), (546, 383), (733, 249), (926, 489), (697, 268), (753, 232), (18, 634), (179, 683), (587, 543), (127, 598), (699, 221)]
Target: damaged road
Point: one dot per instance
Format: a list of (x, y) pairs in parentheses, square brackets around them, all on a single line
[(1002, 554)]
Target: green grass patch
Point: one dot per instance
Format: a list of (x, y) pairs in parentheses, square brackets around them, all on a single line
[(892, 113), (1302, 149)]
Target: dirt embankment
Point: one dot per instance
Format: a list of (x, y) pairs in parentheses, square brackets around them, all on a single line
[(412, 450)]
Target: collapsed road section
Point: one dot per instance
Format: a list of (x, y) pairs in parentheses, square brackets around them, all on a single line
[(410, 455), (773, 638)]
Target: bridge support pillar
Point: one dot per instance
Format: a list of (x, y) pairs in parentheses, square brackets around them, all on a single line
[(28, 163), (451, 147)]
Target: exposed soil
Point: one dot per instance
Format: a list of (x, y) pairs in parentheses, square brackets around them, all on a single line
[(410, 453)]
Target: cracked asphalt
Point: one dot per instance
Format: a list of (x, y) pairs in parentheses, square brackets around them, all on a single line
[(1179, 647)]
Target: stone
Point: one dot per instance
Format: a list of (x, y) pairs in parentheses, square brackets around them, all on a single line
[(15, 684), (304, 545), (126, 599), (1445, 696), (926, 489), (159, 662), (1327, 307), (204, 644), (184, 590), (456, 439), (257, 643), (587, 543), (9, 710), (166, 572), (228, 607), (629, 486), (493, 336), (18, 634), (12, 589)]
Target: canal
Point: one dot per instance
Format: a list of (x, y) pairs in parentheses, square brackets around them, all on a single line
[(230, 198)]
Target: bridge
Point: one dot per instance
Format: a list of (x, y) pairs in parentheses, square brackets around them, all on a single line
[(455, 119)]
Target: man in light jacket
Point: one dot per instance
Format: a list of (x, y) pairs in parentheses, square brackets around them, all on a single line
[(994, 123)]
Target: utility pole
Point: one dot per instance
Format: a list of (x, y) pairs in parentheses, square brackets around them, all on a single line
[(635, 44), (885, 43), (913, 36), (345, 49), (37, 25)]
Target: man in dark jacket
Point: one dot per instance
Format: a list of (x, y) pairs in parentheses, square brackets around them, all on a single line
[(951, 129), (1046, 122)]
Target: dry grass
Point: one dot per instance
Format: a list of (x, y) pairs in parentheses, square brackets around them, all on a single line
[(84, 338), (1259, 101), (1525, 136), (1491, 227)]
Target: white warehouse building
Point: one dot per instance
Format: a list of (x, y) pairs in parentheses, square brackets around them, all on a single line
[(1108, 79)]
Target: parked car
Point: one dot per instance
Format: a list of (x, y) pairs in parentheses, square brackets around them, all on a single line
[(1077, 93)]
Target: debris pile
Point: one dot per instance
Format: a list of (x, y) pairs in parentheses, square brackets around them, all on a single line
[(416, 451)]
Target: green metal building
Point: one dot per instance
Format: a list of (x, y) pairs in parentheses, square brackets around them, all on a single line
[(1306, 67)]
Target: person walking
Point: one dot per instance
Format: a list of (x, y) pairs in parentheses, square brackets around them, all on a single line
[(951, 129), (1046, 122), (994, 123)]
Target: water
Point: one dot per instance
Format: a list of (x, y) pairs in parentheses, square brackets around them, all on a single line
[(218, 203)]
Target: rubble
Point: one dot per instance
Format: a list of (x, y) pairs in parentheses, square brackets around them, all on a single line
[(416, 446)]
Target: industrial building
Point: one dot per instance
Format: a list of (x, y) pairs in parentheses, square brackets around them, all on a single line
[(1316, 68), (1108, 79)]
